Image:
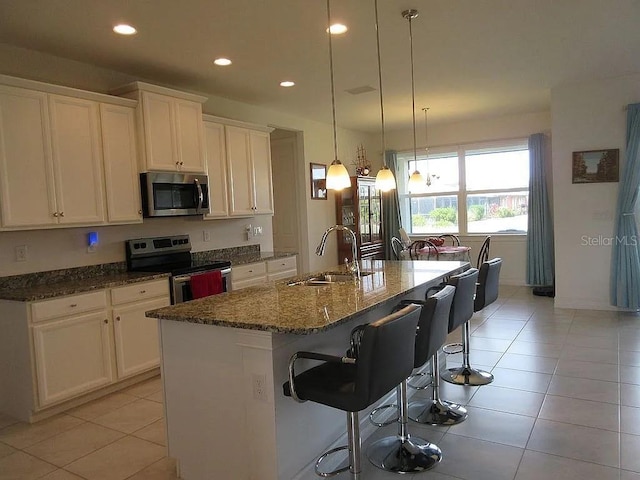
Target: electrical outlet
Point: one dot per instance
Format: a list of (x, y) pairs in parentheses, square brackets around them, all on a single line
[(206, 235), (259, 387), (22, 254), (257, 231)]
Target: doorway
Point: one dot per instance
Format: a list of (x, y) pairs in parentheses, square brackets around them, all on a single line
[(288, 197)]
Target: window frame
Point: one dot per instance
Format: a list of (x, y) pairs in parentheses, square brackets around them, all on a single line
[(406, 157)]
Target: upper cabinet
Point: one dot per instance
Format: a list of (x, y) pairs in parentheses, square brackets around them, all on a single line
[(170, 126), (26, 168), (77, 160), (216, 161), (122, 182), (59, 148), (238, 159), (249, 166), (51, 162)]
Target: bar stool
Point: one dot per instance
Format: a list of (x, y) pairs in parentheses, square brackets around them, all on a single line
[(432, 333), (488, 284), (381, 356), (393, 453), (461, 312)]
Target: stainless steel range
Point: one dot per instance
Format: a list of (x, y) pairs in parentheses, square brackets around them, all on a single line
[(172, 254)]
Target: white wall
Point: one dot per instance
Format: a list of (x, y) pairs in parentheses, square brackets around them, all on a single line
[(586, 116), (512, 248), (52, 249)]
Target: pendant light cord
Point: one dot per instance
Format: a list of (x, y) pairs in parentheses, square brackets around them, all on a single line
[(384, 160), (410, 14), (333, 91)]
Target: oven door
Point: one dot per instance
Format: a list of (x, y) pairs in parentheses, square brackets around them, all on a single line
[(166, 194), (181, 285)]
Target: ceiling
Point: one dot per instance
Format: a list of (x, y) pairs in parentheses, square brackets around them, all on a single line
[(473, 58)]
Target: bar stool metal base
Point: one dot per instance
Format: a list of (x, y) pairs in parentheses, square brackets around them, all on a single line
[(467, 376), (408, 455), (437, 412), (324, 456)]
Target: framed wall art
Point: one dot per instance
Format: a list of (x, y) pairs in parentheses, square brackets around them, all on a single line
[(595, 166)]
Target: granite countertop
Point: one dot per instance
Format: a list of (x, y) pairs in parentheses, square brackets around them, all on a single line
[(58, 283), (33, 293), (302, 309)]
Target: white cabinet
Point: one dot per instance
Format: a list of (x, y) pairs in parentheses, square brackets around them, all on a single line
[(71, 346), (122, 182), (26, 170), (66, 347), (136, 336), (52, 148), (170, 123), (77, 160), (72, 356), (281, 268), (260, 272), (216, 161), (243, 276), (50, 161), (249, 166)]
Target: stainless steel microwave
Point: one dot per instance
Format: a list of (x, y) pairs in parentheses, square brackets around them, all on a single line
[(168, 194)]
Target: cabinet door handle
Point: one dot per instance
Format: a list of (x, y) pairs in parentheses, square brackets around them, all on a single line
[(106, 320), (73, 305), (62, 214), (139, 212), (55, 214), (118, 318), (143, 291)]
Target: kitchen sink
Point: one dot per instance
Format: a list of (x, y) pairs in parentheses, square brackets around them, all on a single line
[(326, 278)]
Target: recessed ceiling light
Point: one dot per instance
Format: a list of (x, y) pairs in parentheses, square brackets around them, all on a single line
[(337, 29), (222, 61), (287, 83), (124, 29)]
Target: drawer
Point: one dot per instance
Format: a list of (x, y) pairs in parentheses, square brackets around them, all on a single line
[(282, 265), (248, 271), (67, 306), (140, 291)]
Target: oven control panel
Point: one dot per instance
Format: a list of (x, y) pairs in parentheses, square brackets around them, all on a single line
[(158, 245)]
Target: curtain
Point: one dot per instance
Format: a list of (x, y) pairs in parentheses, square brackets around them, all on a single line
[(625, 262), (540, 260), (391, 221)]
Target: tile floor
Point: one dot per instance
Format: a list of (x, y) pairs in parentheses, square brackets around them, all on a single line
[(565, 405)]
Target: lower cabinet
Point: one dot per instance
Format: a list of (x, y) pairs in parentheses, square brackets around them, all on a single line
[(136, 337), (248, 275), (260, 272), (72, 356), (282, 268), (63, 348)]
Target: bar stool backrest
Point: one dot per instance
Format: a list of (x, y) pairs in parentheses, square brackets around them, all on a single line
[(488, 283), (433, 325), (462, 307), (385, 354)]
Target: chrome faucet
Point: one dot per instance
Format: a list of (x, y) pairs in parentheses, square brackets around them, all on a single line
[(354, 268)]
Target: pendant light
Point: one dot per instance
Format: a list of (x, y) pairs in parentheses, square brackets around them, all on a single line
[(426, 138), (385, 181), (337, 175), (416, 183)]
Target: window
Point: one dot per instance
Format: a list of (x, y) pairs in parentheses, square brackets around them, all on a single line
[(474, 189)]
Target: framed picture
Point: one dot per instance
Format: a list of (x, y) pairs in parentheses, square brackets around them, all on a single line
[(595, 166), (318, 173)]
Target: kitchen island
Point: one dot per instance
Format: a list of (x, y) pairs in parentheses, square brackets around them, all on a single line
[(224, 360)]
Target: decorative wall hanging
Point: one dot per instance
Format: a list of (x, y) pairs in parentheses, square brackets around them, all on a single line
[(595, 166)]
